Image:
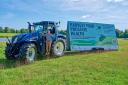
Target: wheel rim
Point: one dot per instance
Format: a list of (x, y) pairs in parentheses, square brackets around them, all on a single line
[(31, 54), (59, 48)]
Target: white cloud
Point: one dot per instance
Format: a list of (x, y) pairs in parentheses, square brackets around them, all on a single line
[(75, 0), (109, 0), (119, 0), (115, 0), (85, 16), (83, 5)]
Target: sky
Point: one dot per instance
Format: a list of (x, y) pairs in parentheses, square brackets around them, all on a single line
[(16, 13)]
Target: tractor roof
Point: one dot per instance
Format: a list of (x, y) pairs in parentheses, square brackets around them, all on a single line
[(44, 22)]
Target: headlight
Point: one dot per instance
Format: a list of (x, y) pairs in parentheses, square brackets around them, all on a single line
[(15, 40)]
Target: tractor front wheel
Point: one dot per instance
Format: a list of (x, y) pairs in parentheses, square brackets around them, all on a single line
[(28, 53)]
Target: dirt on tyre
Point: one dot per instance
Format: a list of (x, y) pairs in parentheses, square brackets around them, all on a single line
[(28, 53)]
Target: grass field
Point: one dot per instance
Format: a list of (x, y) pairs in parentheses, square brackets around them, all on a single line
[(106, 68), (4, 35)]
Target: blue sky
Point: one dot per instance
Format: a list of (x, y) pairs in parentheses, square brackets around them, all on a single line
[(15, 13)]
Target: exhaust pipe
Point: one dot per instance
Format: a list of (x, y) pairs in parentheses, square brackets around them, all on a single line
[(29, 27)]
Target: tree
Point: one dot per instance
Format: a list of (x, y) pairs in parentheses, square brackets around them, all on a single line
[(23, 30), (17, 31), (1, 30), (125, 35), (6, 29), (119, 33), (12, 30)]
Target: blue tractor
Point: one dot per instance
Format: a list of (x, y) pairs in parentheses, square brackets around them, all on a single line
[(27, 46)]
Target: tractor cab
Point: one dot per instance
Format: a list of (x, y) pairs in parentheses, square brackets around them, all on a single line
[(43, 27)]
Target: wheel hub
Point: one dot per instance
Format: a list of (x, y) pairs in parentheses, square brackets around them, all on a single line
[(30, 54), (59, 48)]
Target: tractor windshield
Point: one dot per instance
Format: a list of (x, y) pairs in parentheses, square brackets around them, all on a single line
[(39, 28), (43, 27)]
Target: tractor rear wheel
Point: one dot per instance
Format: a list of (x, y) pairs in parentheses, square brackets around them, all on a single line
[(28, 53), (58, 47)]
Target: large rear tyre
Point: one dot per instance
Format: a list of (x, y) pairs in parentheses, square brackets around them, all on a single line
[(28, 53), (58, 47)]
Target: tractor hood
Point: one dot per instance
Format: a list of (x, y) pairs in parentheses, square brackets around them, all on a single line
[(26, 37)]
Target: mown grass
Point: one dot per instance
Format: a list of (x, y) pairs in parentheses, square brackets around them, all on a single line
[(4, 35), (106, 68)]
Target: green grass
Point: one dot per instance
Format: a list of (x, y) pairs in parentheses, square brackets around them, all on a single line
[(4, 35), (107, 68), (2, 47)]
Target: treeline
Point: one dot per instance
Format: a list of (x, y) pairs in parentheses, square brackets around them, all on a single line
[(122, 34), (12, 30)]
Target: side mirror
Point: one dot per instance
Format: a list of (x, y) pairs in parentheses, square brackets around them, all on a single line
[(29, 27)]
